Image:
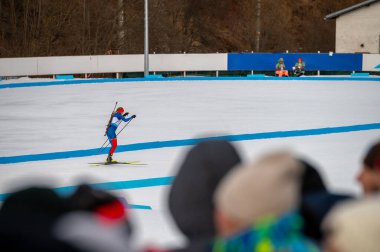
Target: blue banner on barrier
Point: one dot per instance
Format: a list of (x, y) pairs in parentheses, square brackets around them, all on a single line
[(314, 61)]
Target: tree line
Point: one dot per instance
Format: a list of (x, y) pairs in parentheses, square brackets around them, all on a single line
[(95, 27)]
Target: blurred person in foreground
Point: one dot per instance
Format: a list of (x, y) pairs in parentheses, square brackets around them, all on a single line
[(190, 196), (105, 205), (38, 219), (256, 207), (369, 176), (27, 220), (353, 226), (98, 221)]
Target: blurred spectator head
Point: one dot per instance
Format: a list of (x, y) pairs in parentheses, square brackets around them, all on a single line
[(98, 221), (369, 176), (190, 197), (38, 219), (27, 218), (106, 206), (36, 201), (353, 226), (268, 187)]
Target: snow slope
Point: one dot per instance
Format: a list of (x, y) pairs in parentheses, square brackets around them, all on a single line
[(51, 119)]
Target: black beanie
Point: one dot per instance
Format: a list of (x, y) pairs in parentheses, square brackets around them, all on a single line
[(191, 196)]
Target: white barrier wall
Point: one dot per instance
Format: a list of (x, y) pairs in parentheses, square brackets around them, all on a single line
[(135, 63), (188, 62), (371, 62), (111, 64)]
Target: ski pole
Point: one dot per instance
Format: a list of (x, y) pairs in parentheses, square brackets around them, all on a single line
[(101, 148), (124, 126)]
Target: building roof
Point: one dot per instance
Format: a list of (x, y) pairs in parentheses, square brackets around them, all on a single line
[(351, 8)]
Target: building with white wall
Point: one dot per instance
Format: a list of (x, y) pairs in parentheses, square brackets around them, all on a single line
[(358, 28)]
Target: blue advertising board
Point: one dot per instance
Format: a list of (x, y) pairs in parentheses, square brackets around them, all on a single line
[(314, 61)]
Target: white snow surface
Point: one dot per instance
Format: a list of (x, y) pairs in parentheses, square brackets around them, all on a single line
[(72, 117)]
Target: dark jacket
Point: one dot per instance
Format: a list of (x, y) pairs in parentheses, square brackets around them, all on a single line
[(316, 201)]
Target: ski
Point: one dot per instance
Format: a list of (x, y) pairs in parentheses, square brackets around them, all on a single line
[(117, 163)]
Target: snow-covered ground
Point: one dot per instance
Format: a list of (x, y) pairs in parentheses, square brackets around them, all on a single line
[(35, 120)]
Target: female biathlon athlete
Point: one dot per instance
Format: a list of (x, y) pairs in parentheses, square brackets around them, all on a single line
[(118, 116)]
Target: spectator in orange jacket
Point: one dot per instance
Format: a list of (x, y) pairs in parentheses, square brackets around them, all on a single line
[(280, 68)]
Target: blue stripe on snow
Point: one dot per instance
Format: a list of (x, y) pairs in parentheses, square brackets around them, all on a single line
[(116, 185), (107, 81), (186, 142), (140, 207)]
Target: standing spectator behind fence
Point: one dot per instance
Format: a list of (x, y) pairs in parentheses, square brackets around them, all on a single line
[(299, 68), (280, 68)]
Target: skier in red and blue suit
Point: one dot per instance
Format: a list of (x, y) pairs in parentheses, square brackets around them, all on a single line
[(118, 116)]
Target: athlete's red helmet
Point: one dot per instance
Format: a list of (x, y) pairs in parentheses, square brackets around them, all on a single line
[(120, 110)]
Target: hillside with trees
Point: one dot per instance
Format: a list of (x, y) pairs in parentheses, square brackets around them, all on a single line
[(96, 27)]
